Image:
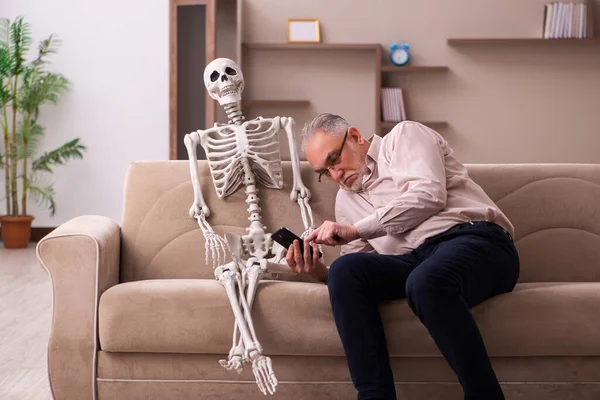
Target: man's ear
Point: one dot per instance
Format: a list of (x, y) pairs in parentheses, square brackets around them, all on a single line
[(356, 135)]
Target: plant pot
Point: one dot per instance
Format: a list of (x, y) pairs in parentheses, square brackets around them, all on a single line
[(15, 231)]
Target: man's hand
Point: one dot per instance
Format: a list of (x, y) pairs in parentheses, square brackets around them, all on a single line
[(332, 234), (303, 263)]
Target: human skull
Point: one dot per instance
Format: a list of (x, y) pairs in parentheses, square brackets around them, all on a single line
[(224, 81)]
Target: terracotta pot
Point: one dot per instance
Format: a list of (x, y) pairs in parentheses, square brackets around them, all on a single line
[(15, 231)]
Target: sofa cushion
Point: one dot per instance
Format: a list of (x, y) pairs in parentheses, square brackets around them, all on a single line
[(294, 318)]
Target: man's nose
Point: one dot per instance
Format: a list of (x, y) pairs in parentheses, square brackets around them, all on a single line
[(336, 174)]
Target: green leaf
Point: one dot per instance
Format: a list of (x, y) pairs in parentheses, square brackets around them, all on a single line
[(48, 46), (34, 135), (42, 192), (40, 88), (60, 156), (4, 32), (20, 43), (5, 61)]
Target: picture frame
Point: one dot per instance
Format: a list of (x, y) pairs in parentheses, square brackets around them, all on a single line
[(302, 30)]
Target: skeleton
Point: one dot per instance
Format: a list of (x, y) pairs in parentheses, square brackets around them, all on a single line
[(243, 153)]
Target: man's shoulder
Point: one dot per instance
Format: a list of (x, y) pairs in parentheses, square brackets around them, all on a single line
[(406, 128), (408, 132)]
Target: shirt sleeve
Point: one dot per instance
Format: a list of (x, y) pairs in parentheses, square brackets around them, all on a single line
[(355, 246), (416, 156)]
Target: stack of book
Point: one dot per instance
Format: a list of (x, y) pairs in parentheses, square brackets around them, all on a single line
[(392, 105), (567, 20)]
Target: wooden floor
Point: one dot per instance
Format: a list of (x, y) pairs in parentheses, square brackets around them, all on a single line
[(25, 315)]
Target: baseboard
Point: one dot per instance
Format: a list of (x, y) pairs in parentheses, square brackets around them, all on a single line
[(37, 233)]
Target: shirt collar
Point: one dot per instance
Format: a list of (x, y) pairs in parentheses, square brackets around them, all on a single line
[(373, 152), (371, 158)]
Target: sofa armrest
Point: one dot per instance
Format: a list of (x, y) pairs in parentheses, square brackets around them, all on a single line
[(82, 258)]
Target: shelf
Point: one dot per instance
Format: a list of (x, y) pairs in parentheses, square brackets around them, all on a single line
[(413, 68), (281, 103), (431, 124), (523, 41), (312, 46)]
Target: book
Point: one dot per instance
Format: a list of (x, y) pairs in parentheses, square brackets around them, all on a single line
[(392, 105), (567, 20)]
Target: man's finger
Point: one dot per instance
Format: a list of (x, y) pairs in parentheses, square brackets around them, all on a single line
[(289, 257), (298, 256), (315, 252), (313, 235), (307, 259)]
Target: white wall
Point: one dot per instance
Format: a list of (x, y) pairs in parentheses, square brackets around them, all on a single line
[(116, 54)]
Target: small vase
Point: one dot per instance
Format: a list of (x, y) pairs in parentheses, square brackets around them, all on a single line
[(15, 231)]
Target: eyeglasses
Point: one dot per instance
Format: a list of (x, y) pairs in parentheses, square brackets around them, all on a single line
[(334, 160)]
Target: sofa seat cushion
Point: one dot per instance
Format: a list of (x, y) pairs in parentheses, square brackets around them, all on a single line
[(294, 318)]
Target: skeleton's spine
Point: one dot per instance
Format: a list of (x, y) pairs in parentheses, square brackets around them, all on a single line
[(234, 113), (252, 199)]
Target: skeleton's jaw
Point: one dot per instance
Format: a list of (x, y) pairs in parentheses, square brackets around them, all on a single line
[(229, 95)]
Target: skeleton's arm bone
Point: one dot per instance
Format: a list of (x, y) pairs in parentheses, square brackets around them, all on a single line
[(298, 187), (191, 141)]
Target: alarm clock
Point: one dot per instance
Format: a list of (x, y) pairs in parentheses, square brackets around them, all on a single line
[(399, 54)]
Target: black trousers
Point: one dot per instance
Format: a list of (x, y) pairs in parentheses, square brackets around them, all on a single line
[(442, 280)]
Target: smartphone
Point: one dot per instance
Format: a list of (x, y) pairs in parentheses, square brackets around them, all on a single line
[(285, 237)]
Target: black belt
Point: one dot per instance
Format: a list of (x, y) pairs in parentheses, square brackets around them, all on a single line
[(463, 225)]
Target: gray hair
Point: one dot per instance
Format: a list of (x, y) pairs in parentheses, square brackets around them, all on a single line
[(330, 124)]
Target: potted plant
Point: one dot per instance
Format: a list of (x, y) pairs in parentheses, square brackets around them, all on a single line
[(24, 87)]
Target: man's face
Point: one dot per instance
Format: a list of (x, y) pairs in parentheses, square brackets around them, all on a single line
[(346, 167)]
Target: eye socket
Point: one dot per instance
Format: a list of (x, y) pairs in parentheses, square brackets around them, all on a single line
[(214, 76), (230, 71)]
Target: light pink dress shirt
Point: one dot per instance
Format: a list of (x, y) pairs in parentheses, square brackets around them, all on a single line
[(415, 189)]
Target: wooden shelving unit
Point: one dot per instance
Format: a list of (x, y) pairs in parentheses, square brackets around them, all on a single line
[(413, 68), (408, 69), (522, 41), (275, 103), (379, 68), (311, 46)]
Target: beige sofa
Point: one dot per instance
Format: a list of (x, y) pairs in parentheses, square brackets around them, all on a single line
[(138, 315)]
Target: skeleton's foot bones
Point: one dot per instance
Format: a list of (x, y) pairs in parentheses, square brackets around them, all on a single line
[(233, 363), (263, 372)]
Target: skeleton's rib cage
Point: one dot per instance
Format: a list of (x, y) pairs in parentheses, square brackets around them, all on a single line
[(255, 141)]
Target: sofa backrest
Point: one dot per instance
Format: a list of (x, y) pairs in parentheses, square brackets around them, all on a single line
[(555, 210), (161, 240)]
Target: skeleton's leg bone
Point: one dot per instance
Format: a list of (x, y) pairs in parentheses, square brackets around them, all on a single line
[(261, 364), (236, 359), (228, 275), (254, 272)]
